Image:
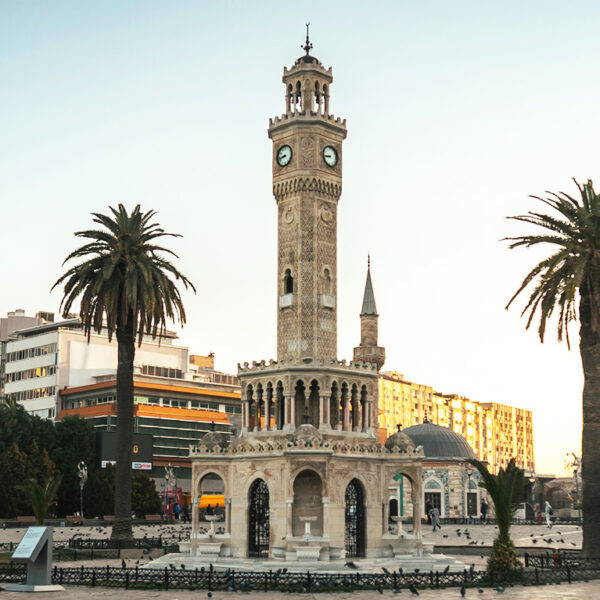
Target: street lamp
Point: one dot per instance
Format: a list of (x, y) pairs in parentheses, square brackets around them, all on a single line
[(574, 467), (469, 474), (168, 476), (83, 475)]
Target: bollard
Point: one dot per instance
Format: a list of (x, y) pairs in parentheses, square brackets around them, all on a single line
[(94, 578), (166, 578), (127, 580)]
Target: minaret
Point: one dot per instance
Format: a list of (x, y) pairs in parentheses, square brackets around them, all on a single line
[(369, 351), (307, 183)]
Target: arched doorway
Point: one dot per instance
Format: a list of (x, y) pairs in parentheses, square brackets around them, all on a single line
[(354, 539), (258, 520), (308, 502)]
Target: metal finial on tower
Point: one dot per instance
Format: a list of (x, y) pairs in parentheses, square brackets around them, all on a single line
[(307, 46)]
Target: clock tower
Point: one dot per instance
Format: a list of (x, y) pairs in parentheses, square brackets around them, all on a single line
[(307, 183)]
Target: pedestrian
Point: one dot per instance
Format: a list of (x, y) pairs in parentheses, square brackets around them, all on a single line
[(177, 510), (434, 515), (428, 507), (549, 512), (484, 510)]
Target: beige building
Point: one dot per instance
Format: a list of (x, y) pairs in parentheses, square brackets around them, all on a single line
[(495, 432)]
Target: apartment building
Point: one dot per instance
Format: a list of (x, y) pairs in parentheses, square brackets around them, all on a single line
[(496, 432)]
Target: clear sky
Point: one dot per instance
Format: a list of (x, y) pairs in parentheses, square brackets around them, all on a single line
[(456, 112)]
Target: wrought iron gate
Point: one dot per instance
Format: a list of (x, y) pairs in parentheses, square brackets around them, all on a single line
[(355, 520), (258, 520)]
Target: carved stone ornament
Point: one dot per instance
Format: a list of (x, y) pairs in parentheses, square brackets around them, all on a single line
[(307, 152), (288, 215), (326, 214), (309, 435)]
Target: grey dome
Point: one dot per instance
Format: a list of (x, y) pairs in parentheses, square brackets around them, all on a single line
[(401, 441), (439, 442)]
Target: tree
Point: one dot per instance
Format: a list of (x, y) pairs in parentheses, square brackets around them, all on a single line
[(571, 273), (40, 496), (144, 499), (505, 490), (99, 492), (74, 441), (126, 286), (14, 468)]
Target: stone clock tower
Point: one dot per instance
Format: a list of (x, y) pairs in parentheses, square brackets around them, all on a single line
[(307, 183), (307, 472)]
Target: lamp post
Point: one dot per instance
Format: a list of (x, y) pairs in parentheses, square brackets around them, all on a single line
[(168, 476), (83, 475), (574, 467), (469, 474)]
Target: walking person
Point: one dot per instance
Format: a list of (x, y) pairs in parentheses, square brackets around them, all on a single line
[(434, 514), (549, 512), (483, 509), (428, 507)]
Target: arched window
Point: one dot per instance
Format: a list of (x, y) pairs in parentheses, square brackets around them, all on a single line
[(288, 282), (326, 284)]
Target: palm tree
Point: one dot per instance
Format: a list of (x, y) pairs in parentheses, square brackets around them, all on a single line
[(40, 496), (126, 286), (506, 491), (571, 273)]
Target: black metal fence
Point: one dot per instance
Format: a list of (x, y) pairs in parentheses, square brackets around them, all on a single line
[(285, 581), (559, 558)]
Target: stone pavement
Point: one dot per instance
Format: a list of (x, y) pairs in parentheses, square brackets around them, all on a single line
[(576, 591)]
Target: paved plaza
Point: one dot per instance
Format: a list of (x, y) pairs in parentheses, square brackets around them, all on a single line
[(590, 591), (525, 536)]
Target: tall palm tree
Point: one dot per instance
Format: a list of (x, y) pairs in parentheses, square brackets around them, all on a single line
[(506, 491), (127, 286), (571, 273)]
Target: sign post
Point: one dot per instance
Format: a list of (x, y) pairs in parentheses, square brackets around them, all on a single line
[(35, 549)]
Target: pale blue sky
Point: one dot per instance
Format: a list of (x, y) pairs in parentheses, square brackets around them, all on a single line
[(456, 112)]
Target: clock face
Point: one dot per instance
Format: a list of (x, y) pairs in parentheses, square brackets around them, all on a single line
[(330, 156), (284, 155)]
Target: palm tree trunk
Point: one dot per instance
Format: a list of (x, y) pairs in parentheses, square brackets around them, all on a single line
[(122, 528), (590, 443)]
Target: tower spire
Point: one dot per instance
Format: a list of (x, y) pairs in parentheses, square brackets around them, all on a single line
[(369, 350), (368, 306), (307, 45)]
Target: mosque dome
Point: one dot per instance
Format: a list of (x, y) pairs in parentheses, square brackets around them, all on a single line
[(439, 442), (401, 441)]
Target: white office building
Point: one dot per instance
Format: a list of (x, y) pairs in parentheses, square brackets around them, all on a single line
[(41, 360)]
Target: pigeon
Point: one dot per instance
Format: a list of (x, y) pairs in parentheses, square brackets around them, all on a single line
[(395, 591), (480, 590), (413, 590), (500, 589), (182, 566), (351, 565), (209, 594), (444, 535), (534, 541), (123, 564), (463, 591), (172, 566), (472, 569), (400, 572), (379, 589), (447, 569), (417, 570), (385, 570)]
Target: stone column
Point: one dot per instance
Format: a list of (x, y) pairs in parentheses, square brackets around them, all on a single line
[(292, 412), (323, 406), (325, 501), (417, 498), (346, 411), (227, 515), (245, 419), (385, 511), (266, 403), (195, 502), (288, 516)]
